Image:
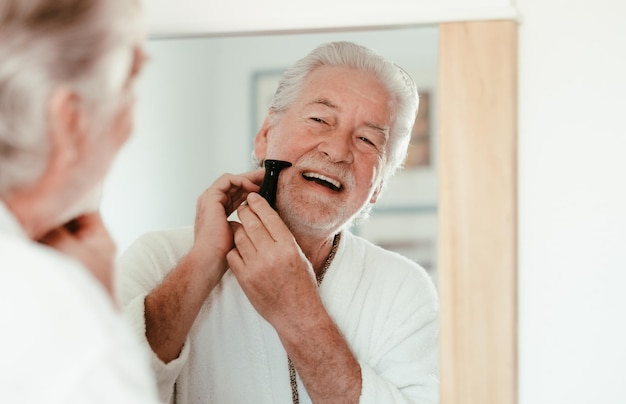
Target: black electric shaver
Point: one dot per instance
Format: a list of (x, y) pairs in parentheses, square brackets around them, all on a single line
[(270, 181)]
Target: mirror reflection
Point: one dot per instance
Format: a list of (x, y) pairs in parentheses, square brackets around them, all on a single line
[(200, 103)]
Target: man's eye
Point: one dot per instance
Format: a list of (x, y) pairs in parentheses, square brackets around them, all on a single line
[(318, 120), (366, 140)]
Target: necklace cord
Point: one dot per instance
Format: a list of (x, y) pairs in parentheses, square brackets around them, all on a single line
[(320, 277)]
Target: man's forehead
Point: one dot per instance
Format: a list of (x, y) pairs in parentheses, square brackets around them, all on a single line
[(320, 101)]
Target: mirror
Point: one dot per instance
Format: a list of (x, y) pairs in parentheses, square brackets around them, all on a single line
[(200, 103)]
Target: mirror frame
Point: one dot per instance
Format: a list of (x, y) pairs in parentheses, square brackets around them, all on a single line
[(477, 174), (477, 212)]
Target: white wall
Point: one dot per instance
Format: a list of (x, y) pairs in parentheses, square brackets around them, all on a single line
[(572, 202)]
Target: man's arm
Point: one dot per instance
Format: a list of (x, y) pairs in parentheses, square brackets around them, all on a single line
[(279, 282), (171, 308), (166, 283), (320, 354)]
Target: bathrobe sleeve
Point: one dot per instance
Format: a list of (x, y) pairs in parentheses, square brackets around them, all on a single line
[(403, 367), (386, 306), (139, 270)]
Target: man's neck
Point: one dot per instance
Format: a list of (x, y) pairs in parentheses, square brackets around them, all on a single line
[(316, 249)]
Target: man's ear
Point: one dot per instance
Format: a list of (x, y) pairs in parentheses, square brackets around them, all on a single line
[(377, 192), (261, 139), (66, 125)]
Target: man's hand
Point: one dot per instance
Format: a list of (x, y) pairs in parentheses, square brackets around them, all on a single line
[(270, 266), (86, 239), (213, 237)]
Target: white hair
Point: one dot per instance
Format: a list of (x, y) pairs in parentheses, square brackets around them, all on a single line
[(401, 88), (84, 45)]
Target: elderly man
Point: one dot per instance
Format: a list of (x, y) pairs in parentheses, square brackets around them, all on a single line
[(287, 305), (66, 75)]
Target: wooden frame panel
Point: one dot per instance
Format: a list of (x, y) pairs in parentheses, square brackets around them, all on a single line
[(478, 212)]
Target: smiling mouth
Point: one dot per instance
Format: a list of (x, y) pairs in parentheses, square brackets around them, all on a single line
[(322, 180)]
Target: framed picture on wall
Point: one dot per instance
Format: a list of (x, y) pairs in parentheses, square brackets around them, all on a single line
[(411, 232), (420, 147)]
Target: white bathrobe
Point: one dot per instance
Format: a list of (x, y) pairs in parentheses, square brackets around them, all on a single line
[(62, 339), (384, 304)]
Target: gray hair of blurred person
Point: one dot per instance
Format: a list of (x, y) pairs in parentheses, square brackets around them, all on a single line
[(84, 45), (400, 86)]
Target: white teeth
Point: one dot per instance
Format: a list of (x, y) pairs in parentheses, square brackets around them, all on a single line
[(336, 184)]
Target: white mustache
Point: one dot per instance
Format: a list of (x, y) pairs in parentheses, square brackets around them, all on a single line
[(338, 172)]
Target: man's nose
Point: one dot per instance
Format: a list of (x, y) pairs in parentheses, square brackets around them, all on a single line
[(337, 145)]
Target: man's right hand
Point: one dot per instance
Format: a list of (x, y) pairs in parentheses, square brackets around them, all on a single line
[(86, 239), (213, 237)]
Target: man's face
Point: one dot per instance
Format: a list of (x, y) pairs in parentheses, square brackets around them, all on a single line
[(335, 134)]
